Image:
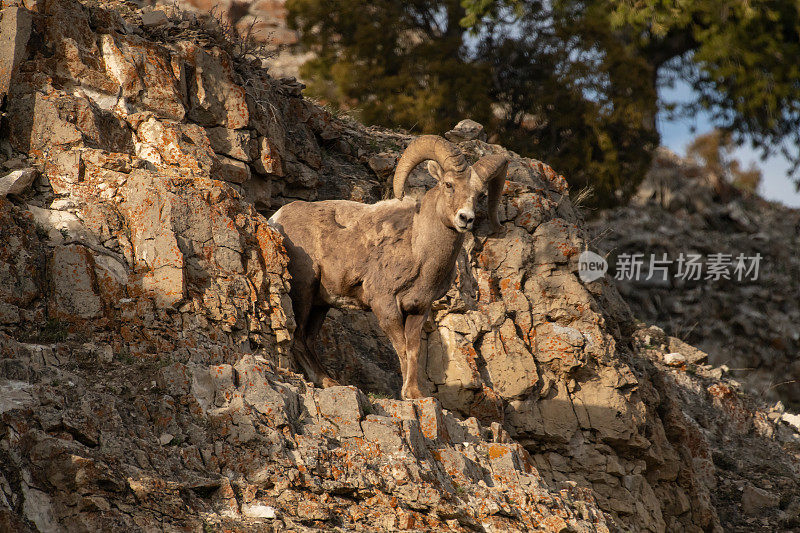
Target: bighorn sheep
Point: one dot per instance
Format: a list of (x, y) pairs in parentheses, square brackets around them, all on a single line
[(394, 257)]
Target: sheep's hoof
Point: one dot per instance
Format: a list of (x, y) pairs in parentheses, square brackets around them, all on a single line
[(329, 382), (411, 393)]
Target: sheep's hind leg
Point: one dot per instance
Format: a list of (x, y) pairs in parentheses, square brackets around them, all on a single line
[(308, 319), (314, 324)]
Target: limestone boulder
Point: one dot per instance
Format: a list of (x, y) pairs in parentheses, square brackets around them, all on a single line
[(17, 181), (466, 130)]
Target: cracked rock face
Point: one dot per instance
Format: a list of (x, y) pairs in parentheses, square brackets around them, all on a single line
[(145, 324), (243, 445)]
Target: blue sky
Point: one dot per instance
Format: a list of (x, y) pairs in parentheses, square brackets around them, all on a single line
[(677, 134)]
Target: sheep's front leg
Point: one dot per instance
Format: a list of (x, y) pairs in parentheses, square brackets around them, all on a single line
[(413, 337), (390, 319)]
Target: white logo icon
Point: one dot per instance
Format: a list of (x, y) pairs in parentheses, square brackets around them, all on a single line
[(591, 266)]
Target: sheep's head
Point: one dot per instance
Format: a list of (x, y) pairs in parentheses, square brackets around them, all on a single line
[(461, 185)]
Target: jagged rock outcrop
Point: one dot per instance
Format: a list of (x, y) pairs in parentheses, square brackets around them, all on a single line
[(746, 453), (146, 370), (191, 446), (748, 325)]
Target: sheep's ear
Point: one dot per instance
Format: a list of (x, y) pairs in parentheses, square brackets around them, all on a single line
[(492, 170), (435, 170)]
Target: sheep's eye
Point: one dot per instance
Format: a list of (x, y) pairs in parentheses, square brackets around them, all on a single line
[(448, 185)]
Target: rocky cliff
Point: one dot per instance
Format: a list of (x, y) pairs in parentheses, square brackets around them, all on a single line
[(146, 380), (749, 325)]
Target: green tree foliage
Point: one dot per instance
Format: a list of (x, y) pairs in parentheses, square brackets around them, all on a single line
[(740, 57), (568, 94), (397, 63), (573, 83)]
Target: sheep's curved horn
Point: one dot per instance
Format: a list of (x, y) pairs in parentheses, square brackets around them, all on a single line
[(423, 148), (492, 169)]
